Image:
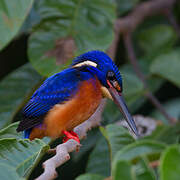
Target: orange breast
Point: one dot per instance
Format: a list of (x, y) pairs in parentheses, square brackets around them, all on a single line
[(72, 113)]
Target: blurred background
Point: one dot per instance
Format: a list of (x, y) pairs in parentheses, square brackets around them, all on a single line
[(40, 38)]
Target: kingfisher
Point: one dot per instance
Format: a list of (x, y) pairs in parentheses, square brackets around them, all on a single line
[(70, 97)]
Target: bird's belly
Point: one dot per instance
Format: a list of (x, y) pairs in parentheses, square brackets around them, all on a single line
[(75, 111)]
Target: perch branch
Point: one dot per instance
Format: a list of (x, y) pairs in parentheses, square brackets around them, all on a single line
[(62, 151)]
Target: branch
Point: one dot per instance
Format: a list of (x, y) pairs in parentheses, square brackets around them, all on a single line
[(63, 150), (148, 94), (129, 23)]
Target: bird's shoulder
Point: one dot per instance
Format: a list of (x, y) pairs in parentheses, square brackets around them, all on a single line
[(66, 80)]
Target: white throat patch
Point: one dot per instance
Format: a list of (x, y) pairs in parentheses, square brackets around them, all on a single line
[(88, 63), (106, 93)]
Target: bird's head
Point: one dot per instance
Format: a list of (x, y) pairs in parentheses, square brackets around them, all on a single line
[(108, 74)]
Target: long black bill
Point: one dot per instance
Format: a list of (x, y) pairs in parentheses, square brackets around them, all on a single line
[(119, 100)]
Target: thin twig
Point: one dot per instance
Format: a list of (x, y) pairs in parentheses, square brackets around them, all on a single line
[(113, 47), (154, 164), (148, 94)]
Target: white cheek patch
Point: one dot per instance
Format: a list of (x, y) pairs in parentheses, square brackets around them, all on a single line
[(106, 93), (86, 63)]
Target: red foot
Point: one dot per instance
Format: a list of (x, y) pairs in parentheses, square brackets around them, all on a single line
[(70, 135)]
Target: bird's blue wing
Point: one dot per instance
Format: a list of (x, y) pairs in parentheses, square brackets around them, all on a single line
[(56, 89)]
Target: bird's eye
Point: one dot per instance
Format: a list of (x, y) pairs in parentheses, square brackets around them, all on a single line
[(113, 81), (111, 76)]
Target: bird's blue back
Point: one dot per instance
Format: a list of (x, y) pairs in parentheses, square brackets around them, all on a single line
[(56, 89)]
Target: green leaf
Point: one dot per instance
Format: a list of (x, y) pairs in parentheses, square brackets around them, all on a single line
[(90, 177), (32, 19), (167, 66), (139, 149), (89, 24), (117, 137), (12, 15), (143, 171), (126, 170), (166, 134), (157, 39), (8, 173), (132, 86), (136, 150), (123, 171), (170, 134), (10, 132), (172, 107), (111, 113), (22, 155), (14, 89), (99, 159), (123, 6), (169, 164)]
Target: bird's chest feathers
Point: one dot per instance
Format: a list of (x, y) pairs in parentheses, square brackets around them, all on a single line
[(73, 112)]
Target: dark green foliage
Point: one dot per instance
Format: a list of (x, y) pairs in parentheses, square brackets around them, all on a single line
[(170, 167), (88, 23), (14, 89), (21, 155), (59, 30), (160, 66), (13, 14), (100, 158)]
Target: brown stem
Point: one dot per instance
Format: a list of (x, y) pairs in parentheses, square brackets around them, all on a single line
[(154, 164), (111, 51), (148, 94), (52, 151)]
